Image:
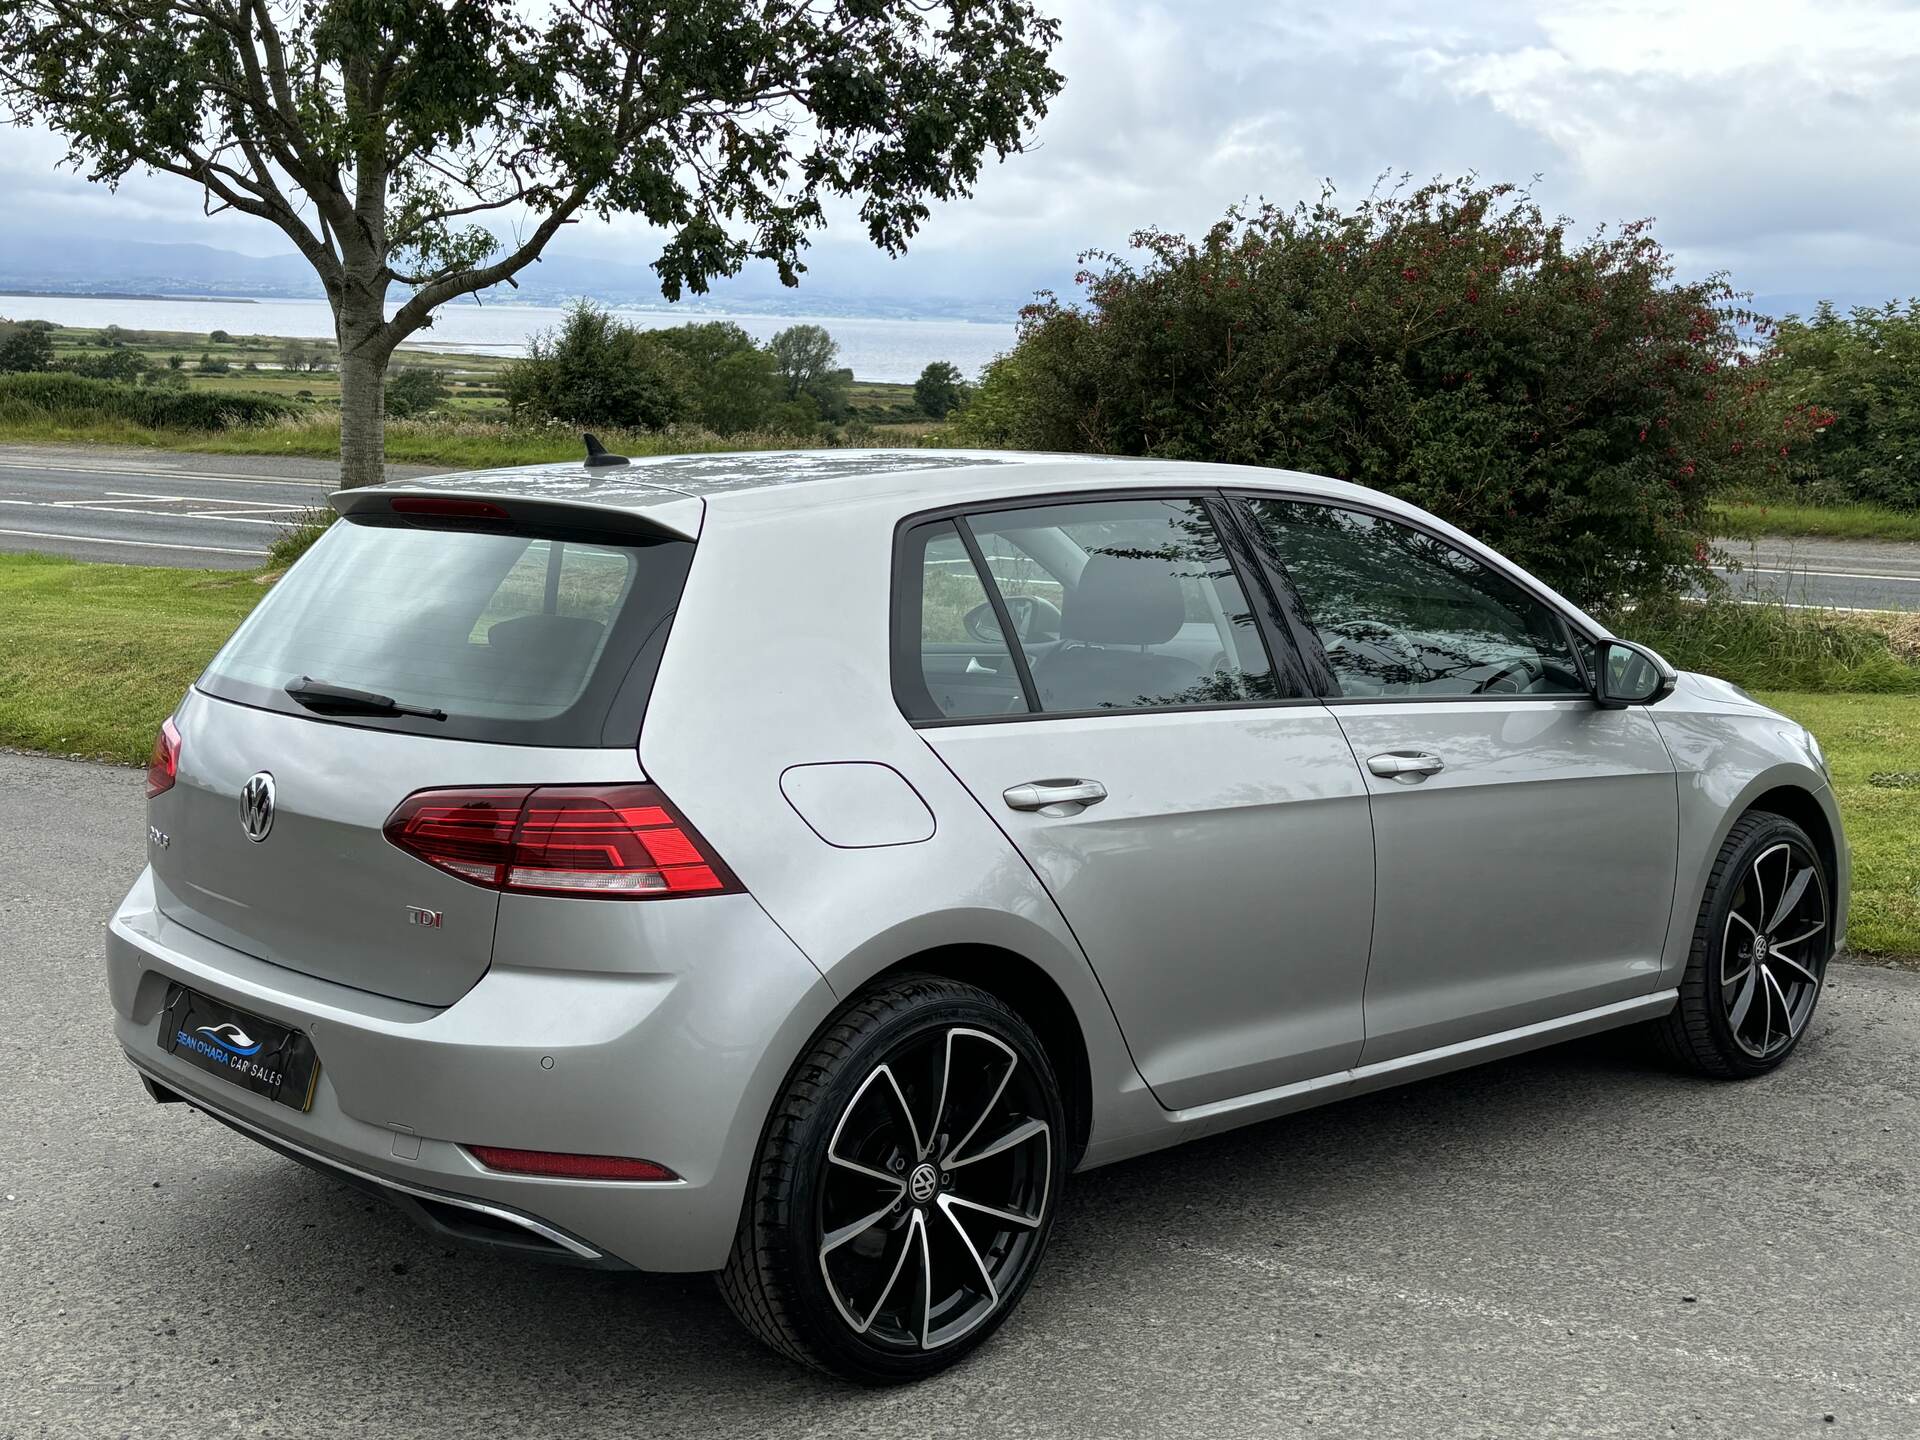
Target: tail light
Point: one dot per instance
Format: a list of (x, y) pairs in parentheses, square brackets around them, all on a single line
[(163, 765), (617, 842)]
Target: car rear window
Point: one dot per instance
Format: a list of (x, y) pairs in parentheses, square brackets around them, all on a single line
[(535, 638)]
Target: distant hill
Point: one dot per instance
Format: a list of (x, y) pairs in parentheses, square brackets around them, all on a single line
[(82, 264)]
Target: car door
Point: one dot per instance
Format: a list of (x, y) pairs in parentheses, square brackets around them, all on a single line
[(1195, 814), (1525, 838)]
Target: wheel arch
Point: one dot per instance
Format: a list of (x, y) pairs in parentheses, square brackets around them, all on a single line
[(1037, 998), (1795, 803)]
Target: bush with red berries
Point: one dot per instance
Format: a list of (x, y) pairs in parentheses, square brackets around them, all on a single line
[(1567, 400)]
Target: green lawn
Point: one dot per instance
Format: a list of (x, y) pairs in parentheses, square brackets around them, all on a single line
[(1748, 520), (1873, 748), (94, 656)]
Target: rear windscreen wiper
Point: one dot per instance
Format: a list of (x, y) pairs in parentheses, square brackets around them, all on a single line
[(325, 699)]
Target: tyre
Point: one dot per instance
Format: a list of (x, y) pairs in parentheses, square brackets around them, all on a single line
[(1760, 952), (905, 1186)]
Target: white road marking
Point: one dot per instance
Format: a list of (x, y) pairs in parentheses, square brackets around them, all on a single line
[(1829, 574), (136, 544), (154, 472), (78, 507)]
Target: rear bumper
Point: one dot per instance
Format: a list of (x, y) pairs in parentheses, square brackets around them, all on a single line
[(677, 1066)]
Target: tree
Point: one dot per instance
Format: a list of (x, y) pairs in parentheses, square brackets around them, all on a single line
[(939, 390), (119, 363), (1854, 382), (210, 364), (807, 357), (175, 362), (294, 356), (381, 135), (414, 390), (596, 370), (25, 347), (220, 337), (729, 380), (1564, 399)]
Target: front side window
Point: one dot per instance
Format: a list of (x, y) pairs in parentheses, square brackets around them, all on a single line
[(1124, 604), (1400, 612)]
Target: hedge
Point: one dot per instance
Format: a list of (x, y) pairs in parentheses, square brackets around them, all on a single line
[(36, 396)]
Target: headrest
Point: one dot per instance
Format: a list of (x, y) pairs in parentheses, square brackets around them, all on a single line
[(1124, 600)]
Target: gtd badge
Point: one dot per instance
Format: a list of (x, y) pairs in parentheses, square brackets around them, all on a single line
[(256, 807)]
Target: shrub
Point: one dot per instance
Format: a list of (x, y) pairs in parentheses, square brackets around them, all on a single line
[(939, 389), (24, 349), (1565, 400), (730, 382), (119, 363), (37, 397), (211, 365), (414, 390), (298, 538), (1850, 380), (594, 370)]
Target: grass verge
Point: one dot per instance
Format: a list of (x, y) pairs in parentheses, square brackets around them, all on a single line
[(97, 655), (1749, 520), (465, 444), (1776, 647), (1872, 744)]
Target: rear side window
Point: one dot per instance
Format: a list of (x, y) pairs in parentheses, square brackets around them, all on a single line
[(1113, 605), (538, 639)]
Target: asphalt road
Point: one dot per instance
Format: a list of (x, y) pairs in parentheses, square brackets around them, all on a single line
[(155, 507), (1572, 1243), (1844, 574)]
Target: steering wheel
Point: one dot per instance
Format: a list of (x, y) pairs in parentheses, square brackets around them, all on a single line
[(1372, 645), (1520, 665)]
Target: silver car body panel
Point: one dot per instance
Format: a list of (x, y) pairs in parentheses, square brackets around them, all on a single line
[(1531, 877), (1243, 991)]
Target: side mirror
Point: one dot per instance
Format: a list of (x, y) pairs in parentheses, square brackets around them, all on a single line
[(1629, 674)]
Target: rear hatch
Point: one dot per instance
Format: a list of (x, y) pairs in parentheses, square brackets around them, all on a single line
[(474, 645)]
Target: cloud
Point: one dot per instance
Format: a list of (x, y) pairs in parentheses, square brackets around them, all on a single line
[(1775, 138)]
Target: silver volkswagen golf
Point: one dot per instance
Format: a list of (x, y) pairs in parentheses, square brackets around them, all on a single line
[(795, 865)]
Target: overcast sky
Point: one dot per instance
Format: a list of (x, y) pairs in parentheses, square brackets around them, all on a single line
[(1773, 138)]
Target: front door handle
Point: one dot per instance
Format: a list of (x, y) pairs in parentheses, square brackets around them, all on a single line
[(1408, 766), (1055, 797)]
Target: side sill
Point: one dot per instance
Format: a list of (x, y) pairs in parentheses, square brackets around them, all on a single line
[(1382, 1073)]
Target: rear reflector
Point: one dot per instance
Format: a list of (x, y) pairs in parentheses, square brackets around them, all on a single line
[(163, 765), (562, 1166), (613, 842)]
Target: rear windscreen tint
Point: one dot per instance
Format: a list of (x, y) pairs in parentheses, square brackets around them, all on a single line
[(547, 638)]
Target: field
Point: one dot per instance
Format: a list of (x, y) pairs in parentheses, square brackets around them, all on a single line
[(236, 362)]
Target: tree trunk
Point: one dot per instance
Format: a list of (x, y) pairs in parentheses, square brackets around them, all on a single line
[(363, 391)]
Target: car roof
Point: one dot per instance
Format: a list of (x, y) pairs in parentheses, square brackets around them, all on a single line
[(674, 492), (742, 480)]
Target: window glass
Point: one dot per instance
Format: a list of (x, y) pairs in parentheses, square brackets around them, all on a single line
[(961, 666), (1123, 604), (1402, 612), (518, 638)]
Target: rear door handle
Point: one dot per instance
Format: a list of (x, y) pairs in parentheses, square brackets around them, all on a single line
[(1410, 766), (1055, 797)]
